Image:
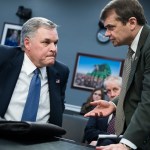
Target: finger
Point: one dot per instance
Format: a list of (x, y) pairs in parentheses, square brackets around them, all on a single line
[(101, 114), (86, 115), (89, 114), (99, 148), (102, 148), (96, 102), (96, 115)]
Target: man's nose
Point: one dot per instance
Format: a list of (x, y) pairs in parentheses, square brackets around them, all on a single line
[(53, 47), (113, 94), (107, 33)]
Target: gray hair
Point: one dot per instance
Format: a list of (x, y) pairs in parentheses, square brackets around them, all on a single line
[(32, 25), (118, 79)]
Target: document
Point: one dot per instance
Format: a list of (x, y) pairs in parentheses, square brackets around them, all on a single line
[(109, 136)]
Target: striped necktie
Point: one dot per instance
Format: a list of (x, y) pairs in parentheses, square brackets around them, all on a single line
[(111, 125), (120, 117)]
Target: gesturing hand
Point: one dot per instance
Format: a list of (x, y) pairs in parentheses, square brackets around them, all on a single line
[(103, 108)]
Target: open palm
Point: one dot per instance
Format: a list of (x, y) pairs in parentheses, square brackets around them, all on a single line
[(103, 108)]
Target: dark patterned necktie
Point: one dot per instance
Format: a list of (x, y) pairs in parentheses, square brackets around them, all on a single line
[(111, 125), (32, 103), (120, 117)]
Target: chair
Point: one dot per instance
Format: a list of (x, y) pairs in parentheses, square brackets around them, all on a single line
[(74, 125)]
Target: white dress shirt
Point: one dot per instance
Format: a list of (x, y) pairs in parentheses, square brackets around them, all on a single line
[(19, 96), (109, 118)]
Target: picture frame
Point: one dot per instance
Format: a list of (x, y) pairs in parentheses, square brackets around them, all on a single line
[(91, 70), (11, 34)]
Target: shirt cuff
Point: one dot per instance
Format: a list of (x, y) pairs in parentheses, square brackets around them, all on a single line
[(113, 104), (128, 143)]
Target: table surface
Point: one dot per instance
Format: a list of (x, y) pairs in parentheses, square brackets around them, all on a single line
[(61, 144)]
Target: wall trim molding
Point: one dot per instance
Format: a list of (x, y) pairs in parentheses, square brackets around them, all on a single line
[(72, 107)]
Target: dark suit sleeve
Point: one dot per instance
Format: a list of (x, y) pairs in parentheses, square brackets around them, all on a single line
[(94, 127), (137, 102)]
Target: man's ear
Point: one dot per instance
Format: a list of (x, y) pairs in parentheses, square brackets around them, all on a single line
[(27, 43), (132, 22)]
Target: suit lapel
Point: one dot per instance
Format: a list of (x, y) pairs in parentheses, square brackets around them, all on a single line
[(56, 103), (11, 71), (54, 87), (15, 68), (53, 79), (141, 42)]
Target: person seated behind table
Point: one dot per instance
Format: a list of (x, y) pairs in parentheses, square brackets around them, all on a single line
[(99, 125), (37, 52), (96, 94)]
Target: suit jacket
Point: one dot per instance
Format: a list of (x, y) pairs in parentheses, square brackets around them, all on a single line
[(137, 98), (11, 60), (94, 127)]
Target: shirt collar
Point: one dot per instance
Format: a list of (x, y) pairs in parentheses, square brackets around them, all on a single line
[(135, 42), (43, 72), (29, 67)]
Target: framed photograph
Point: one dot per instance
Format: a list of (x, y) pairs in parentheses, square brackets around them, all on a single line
[(91, 70), (11, 34)]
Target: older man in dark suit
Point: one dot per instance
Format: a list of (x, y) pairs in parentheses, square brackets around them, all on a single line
[(126, 25), (101, 125), (38, 49)]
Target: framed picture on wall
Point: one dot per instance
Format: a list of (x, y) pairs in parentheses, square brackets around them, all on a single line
[(11, 34), (91, 70)]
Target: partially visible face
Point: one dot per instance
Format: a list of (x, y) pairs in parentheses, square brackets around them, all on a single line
[(97, 95), (42, 47), (118, 33), (113, 90)]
